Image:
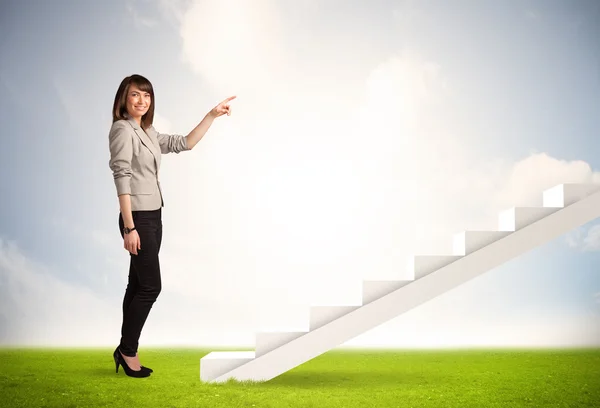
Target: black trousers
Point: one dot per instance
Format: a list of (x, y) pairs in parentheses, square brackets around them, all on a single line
[(144, 283)]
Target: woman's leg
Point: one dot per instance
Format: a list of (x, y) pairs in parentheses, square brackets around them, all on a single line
[(133, 286), (147, 271)]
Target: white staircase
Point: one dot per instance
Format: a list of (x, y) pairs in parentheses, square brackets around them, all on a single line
[(520, 229)]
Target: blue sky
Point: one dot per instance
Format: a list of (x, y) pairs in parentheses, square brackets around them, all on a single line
[(342, 107)]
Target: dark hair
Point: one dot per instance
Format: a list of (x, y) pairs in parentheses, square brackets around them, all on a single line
[(120, 104)]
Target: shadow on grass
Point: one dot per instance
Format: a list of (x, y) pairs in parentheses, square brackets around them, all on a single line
[(354, 379), (105, 372), (95, 372)]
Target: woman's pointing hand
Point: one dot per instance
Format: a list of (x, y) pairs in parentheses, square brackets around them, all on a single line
[(222, 108)]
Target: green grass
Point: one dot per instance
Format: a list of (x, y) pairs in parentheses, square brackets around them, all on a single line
[(340, 378)]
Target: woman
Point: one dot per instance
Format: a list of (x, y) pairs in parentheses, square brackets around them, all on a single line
[(135, 153)]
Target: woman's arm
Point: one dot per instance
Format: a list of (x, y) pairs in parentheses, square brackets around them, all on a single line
[(121, 155), (125, 204), (200, 130), (179, 143)]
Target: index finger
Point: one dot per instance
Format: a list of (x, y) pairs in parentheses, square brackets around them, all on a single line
[(230, 98)]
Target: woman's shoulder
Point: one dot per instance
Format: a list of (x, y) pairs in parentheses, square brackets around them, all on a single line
[(120, 124), (119, 128)]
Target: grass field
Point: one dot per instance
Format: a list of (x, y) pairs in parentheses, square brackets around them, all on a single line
[(341, 378)]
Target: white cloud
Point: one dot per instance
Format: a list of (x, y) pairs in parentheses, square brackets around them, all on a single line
[(235, 45), (543, 171), (585, 239), (176, 8), (454, 187), (573, 237), (39, 308), (139, 20), (278, 66), (173, 11), (592, 241)]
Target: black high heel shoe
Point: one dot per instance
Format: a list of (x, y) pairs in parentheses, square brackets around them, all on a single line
[(143, 367), (119, 360)]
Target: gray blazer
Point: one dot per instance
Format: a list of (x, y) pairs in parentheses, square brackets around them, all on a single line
[(135, 161)]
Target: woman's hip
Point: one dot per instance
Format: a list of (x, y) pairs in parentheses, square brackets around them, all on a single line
[(145, 222)]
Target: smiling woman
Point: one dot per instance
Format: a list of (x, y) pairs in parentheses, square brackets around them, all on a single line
[(134, 97), (135, 158)]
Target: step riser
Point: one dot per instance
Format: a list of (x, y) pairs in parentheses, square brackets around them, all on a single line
[(421, 266), (471, 241), (373, 290), (517, 218), (266, 342), (322, 315), (388, 307), (564, 195), (210, 369)]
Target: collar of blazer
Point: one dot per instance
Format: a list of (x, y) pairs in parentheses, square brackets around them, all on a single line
[(145, 138)]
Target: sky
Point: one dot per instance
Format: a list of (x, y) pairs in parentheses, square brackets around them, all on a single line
[(362, 133)]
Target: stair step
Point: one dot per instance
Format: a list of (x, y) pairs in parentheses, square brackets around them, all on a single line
[(470, 241), (373, 290), (566, 194), (422, 265), (321, 315), (217, 363), (268, 341), (516, 218)]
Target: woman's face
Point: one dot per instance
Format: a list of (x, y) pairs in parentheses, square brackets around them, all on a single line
[(138, 102)]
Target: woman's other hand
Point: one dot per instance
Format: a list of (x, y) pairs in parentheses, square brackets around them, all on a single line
[(222, 108), (132, 242)]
